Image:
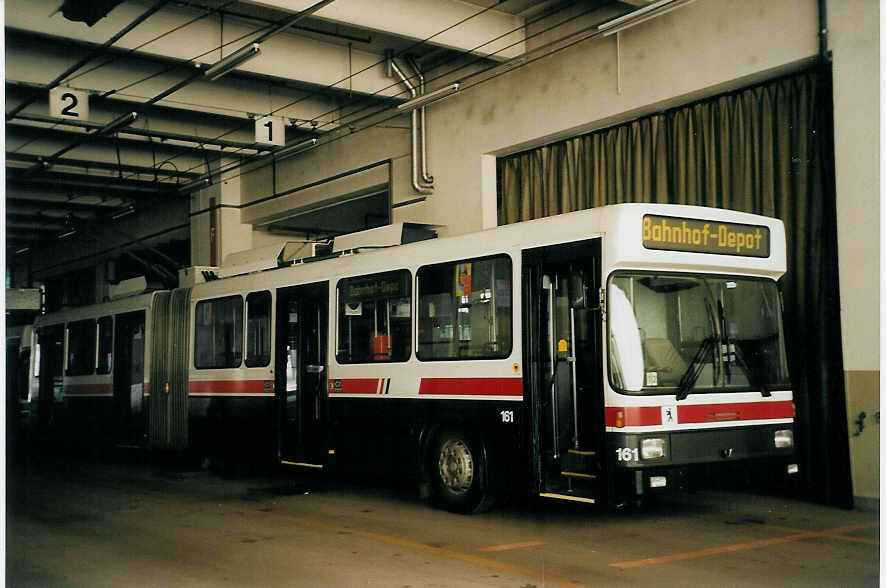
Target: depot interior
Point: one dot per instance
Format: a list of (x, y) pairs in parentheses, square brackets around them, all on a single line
[(144, 137)]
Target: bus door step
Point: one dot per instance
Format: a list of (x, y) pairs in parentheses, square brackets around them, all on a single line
[(569, 497), (580, 475), (578, 461), (301, 464)]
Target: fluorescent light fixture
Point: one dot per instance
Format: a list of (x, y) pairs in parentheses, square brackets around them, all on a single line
[(426, 99), (117, 124), (616, 25), (293, 149), (197, 184), (125, 212), (23, 250), (67, 234), (223, 66)]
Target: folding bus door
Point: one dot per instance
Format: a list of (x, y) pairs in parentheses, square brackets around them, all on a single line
[(562, 338), (301, 371), (129, 377)]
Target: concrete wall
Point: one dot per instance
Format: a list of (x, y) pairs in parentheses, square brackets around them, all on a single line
[(854, 39)]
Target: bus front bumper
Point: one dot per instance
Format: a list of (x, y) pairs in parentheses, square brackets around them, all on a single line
[(657, 462)]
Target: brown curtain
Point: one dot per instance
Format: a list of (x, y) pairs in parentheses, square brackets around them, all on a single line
[(767, 149)]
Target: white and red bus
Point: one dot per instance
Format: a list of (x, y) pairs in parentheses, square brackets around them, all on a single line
[(87, 370), (594, 356)]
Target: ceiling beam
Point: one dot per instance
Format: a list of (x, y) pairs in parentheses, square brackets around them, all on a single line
[(165, 172), (41, 141), (34, 223), (159, 135), (288, 55), (122, 76), (47, 214), (63, 201), (57, 181), (446, 23), (26, 236)]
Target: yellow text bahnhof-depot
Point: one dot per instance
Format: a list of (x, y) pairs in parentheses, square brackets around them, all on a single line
[(700, 236)]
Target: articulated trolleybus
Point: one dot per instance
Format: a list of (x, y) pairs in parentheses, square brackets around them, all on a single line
[(595, 356)]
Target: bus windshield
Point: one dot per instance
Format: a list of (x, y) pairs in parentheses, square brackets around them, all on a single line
[(684, 334)]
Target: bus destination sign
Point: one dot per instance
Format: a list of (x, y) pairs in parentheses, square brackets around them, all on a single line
[(701, 236)]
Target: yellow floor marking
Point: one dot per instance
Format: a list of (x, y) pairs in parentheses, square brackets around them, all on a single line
[(838, 537), (509, 546), (741, 546), (856, 539), (545, 578)]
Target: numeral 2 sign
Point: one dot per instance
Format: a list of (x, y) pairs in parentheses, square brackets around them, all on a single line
[(69, 103)]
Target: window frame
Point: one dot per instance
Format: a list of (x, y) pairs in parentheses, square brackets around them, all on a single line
[(260, 294), (241, 339), (407, 278), (669, 390), (99, 368), (509, 349), (81, 370)]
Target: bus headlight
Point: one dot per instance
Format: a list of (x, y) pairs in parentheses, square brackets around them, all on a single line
[(658, 481), (653, 448), (784, 439)]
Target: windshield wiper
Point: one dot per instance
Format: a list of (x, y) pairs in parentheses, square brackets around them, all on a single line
[(689, 377), (757, 377)]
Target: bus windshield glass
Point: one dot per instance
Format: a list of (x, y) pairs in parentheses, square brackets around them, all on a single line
[(685, 334)]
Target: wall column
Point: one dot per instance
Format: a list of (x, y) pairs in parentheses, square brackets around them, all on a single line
[(854, 40), (216, 227)]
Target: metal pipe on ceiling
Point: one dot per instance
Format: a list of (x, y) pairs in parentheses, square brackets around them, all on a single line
[(425, 176)]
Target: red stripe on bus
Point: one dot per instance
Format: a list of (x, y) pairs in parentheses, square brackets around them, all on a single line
[(354, 386), (747, 411), (89, 390), (472, 386), (639, 416), (633, 416), (231, 387)]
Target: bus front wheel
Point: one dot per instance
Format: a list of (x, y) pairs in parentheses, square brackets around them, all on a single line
[(458, 469)]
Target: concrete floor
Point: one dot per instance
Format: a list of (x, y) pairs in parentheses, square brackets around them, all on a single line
[(123, 522)]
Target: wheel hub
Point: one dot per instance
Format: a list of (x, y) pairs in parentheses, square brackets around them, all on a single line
[(456, 466)]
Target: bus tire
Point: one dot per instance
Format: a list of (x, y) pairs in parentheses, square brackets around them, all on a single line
[(458, 473)]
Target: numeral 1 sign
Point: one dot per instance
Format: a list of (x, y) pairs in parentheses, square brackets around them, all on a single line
[(270, 130), (69, 103)]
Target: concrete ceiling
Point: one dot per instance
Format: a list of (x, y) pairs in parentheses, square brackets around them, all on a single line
[(148, 57)]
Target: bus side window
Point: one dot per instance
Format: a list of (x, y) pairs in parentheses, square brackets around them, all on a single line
[(81, 348), (258, 329), (218, 333), (465, 309), (375, 318), (105, 345)]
